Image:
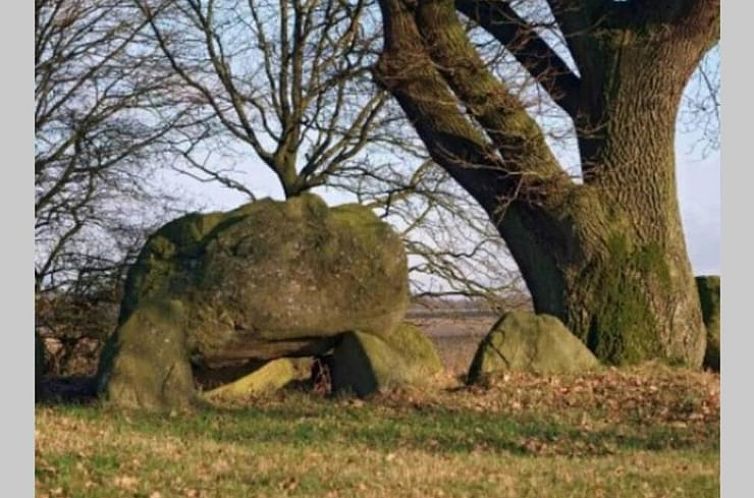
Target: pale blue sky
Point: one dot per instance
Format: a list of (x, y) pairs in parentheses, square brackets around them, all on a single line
[(699, 193)]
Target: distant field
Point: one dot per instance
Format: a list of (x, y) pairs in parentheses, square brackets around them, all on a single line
[(456, 337), (643, 432)]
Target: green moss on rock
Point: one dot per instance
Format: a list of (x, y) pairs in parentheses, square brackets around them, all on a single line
[(267, 271), (145, 364), (709, 296), (284, 269), (270, 377), (363, 363), (522, 341)]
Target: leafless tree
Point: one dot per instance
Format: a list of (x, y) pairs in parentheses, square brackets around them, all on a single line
[(103, 123), (454, 251), (289, 82)]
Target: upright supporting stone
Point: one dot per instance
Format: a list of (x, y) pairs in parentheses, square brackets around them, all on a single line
[(146, 363), (364, 363)]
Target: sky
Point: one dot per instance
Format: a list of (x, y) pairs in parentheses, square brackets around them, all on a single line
[(698, 182)]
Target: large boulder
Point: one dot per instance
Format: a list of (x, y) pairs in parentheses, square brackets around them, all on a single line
[(524, 341), (709, 295), (363, 363), (267, 280)]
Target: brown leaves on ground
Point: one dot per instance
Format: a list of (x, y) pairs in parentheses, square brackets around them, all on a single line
[(649, 392), (649, 406), (643, 431)]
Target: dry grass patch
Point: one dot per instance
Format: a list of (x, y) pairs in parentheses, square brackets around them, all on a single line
[(643, 432)]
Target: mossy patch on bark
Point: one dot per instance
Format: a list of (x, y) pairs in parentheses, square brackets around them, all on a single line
[(623, 329)]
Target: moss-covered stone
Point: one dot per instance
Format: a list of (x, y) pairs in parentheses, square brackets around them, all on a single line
[(524, 341), (271, 377), (709, 296), (294, 272), (363, 363), (285, 270), (146, 364)]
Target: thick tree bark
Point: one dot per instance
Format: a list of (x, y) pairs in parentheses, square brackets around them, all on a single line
[(607, 256)]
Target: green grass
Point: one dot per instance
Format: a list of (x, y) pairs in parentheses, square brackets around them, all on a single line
[(639, 433)]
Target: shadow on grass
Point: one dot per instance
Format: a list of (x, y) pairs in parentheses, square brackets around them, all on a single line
[(67, 390), (307, 421)]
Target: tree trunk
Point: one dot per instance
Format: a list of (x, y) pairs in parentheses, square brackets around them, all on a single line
[(608, 256), (634, 301), (622, 273), (617, 276)]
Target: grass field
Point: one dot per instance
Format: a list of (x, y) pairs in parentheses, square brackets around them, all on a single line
[(648, 431)]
